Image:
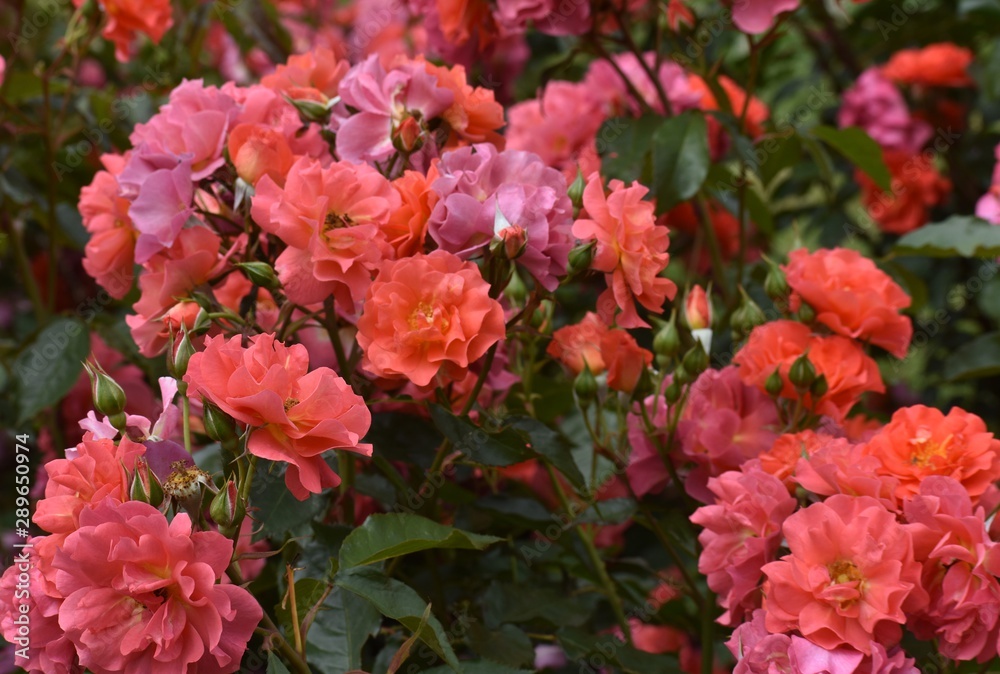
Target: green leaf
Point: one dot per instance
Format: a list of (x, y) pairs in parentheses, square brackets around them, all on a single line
[(551, 446), (680, 159), (308, 593), (958, 236), (623, 143), (974, 360), (506, 644), (579, 645), (48, 367), (275, 665), (277, 511), (858, 148), (611, 511), (779, 153), (384, 536), (400, 602), (497, 448), (339, 632), (484, 667)]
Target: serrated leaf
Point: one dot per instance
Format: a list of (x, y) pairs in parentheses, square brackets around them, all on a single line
[(958, 236), (858, 148), (48, 367), (400, 602), (384, 536), (680, 159)]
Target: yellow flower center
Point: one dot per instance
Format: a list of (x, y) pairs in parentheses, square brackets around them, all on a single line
[(844, 571), (924, 449)]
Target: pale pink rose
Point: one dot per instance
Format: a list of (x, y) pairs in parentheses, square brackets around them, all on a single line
[(160, 190), (193, 124), (478, 182), (142, 594), (405, 97)]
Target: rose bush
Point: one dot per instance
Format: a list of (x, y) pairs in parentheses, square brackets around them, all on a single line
[(500, 337)]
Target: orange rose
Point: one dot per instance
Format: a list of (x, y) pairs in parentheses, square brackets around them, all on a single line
[(407, 226), (625, 359), (916, 188), (257, 150), (775, 346), (576, 345), (428, 316), (475, 115), (920, 441), (936, 65), (851, 296)]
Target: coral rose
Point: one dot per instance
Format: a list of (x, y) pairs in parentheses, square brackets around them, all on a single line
[(850, 578), (406, 229), (625, 359), (428, 316), (937, 65), (577, 345), (631, 249), (110, 251), (331, 219), (298, 415), (142, 594), (851, 296), (920, 441), (126, 18), (776, 345)]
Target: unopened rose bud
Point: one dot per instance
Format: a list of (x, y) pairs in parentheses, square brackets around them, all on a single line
[(806, 313), (311, 111), (516, 291), (514, 240), (802, 374), (746, 317), (109, 398), (575, 191), (260, 273), (673, 391), (644, 386), (775, 284), (698, 309), (145, 486), (774, 384), (218, 425), (819, 387), (667, 342), (585, 387), (408, 137), (178, 363), (227, 508), (696, 360), (581, 257)]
